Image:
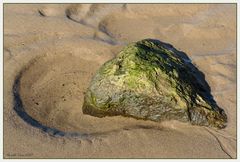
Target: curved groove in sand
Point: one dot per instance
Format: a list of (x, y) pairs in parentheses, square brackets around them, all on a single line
[(18, 107)]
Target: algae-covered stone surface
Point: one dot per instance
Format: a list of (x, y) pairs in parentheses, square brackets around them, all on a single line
[(151, 80)]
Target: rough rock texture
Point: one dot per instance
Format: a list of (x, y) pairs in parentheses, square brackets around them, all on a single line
[(151, 80)]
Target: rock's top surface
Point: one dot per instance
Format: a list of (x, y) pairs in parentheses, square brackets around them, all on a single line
[(151, 80)]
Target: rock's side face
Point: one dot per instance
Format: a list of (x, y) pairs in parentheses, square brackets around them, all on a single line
[(151, 80)]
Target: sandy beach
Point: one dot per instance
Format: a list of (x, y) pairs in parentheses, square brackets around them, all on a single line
[(51, 52)]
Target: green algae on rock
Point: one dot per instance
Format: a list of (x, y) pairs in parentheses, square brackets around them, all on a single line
[(151, 80)]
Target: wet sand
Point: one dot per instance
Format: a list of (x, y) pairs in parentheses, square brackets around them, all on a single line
[(52, 51)]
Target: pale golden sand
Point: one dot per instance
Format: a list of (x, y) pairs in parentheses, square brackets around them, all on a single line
[(52, 51)]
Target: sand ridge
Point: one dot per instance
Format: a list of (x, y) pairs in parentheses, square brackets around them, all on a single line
[(51, 52)]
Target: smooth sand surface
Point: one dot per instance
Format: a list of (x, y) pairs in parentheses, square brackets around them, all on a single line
[(52, 51)]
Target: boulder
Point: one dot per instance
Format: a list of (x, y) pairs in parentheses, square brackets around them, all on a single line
[(151, 80)]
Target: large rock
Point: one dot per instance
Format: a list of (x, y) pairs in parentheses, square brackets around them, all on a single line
[(151, 80)]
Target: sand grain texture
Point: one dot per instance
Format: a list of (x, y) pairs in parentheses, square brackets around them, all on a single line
[(53, 51)]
